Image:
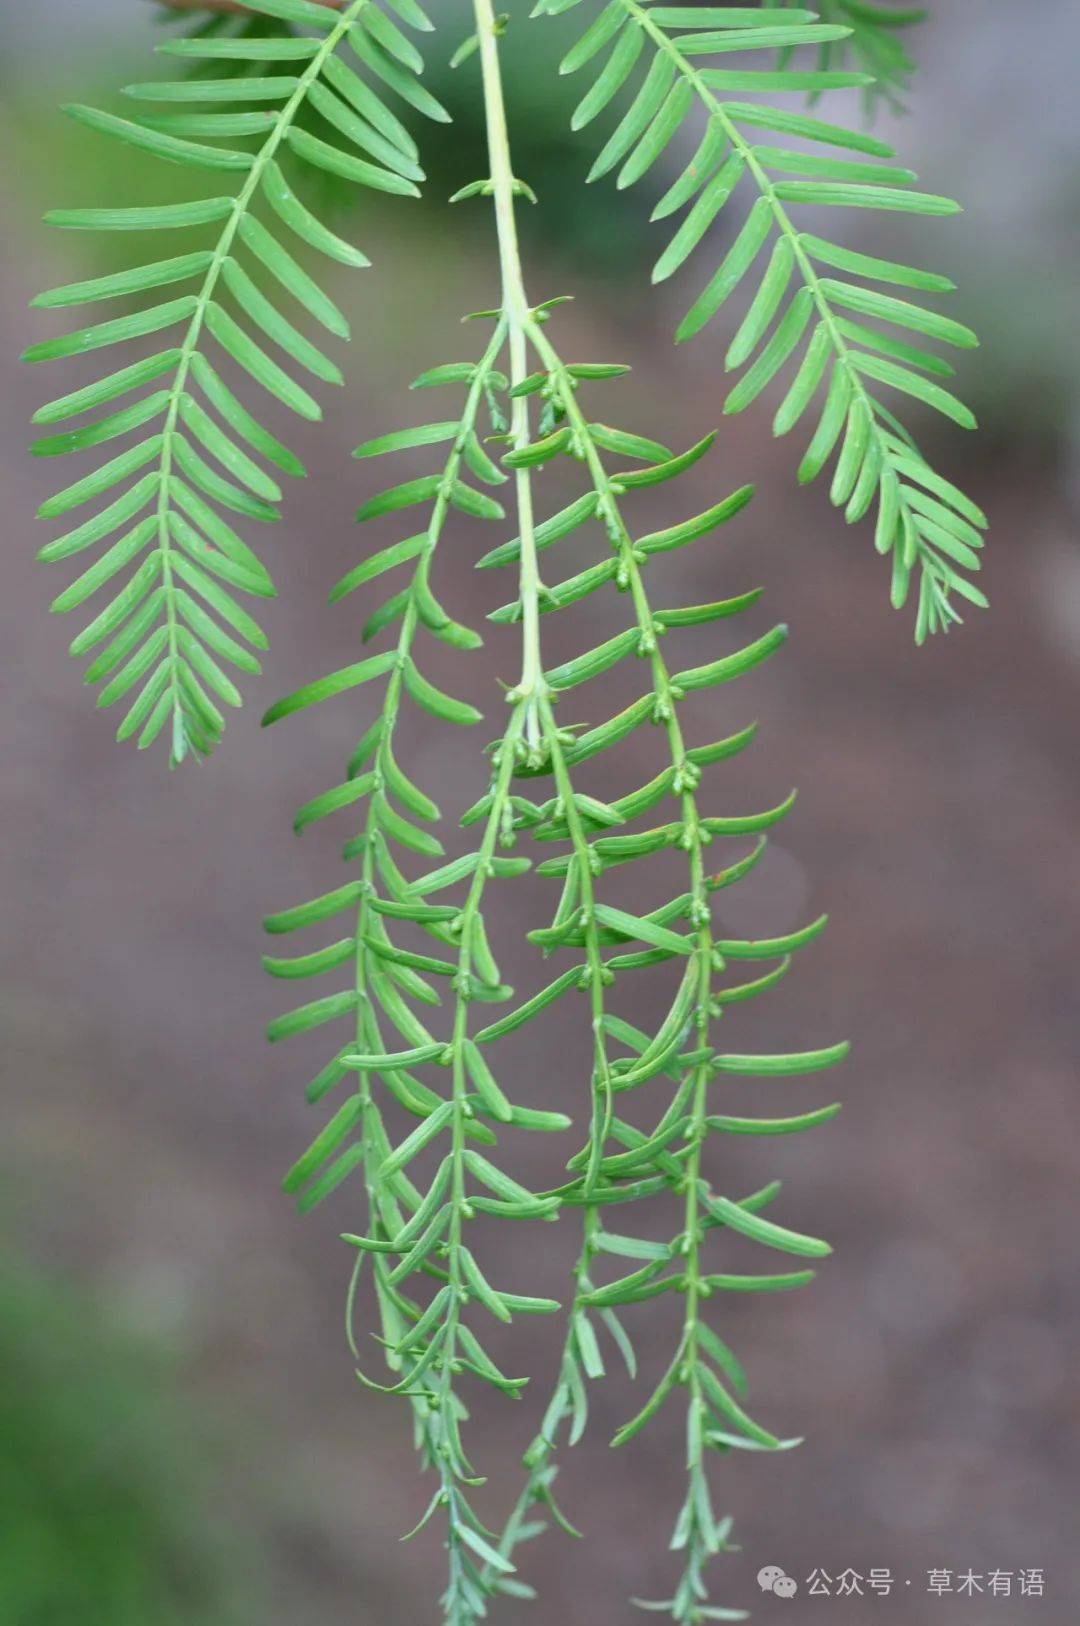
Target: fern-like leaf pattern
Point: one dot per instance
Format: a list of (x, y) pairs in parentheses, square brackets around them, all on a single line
[(275, 90), (621, 1164), (414, 1231), (836, 320), (446, 1086), (163, 633)]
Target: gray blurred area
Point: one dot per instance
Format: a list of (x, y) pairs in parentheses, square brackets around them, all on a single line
[(932, 1367)]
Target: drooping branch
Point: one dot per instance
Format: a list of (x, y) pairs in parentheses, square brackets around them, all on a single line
[(844, 330), (162, 645)]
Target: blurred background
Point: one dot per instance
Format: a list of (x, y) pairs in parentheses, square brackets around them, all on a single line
[(181, 1435)]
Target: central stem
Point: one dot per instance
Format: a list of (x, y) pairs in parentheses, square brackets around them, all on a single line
[(518, 315), (502, 174)]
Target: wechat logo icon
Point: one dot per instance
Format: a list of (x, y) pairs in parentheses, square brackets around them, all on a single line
[(772, 1579)]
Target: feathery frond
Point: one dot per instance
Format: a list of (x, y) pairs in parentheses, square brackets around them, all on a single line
[(413, 1233), (850, 339), (162, 631), (621, 1164)]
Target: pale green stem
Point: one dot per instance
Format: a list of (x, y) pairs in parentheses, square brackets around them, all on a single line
[(525, 722), (366, 1028), (544, 1448), (518, 316), (470, 918), (602, 1091), (541, 729), (693, 841)]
